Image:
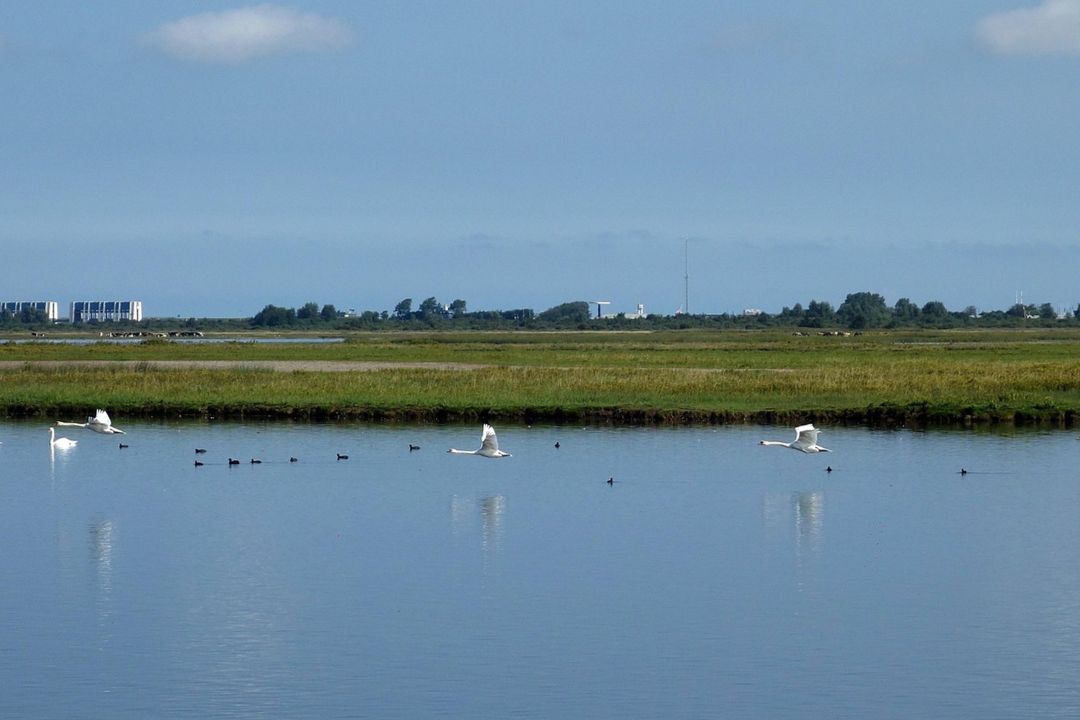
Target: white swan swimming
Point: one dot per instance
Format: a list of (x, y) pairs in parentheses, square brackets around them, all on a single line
[(100, 423), (805, 440), (60, 442), (489, 445)]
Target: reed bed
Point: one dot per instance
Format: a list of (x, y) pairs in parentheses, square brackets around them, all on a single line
[(863, 382), (696, 349)]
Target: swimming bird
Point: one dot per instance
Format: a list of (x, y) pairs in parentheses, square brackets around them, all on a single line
[(122, 446), (611, 481), (200, 451), (198, 463), (342, 457), (62, 443), (233, 462), (413, 447), (963, 471), (255, 462), (557, 446), (489, 445), (805, 440), (292, 459), (99, 423), (828, 468)]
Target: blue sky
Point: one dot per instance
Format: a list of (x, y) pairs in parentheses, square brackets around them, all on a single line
[(209, 157)]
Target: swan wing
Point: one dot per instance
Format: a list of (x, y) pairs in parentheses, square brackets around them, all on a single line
[(488, 442), (805, 436), (101, 418)]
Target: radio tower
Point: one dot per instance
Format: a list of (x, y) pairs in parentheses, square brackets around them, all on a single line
[(686, 276)]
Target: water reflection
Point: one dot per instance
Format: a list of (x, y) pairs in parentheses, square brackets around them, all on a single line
[(100, 543), (174, 340), (460, 513), (804, 510), (491, 510), (809, 516), (296, 591), (491, 515), (58, 453)]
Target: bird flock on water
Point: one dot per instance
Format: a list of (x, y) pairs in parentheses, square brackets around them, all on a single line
[(806, 441), (101, 423)]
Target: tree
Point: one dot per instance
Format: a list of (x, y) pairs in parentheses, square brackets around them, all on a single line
[(430, 308), (32, 316), (403, 309), (905, 311), (274, 316), (791, 315), (328, 313), (308, 311), (818, 314), (1047, 312), (571, 312), (457, 308), (935, 310), (863, 310), (518, 315)]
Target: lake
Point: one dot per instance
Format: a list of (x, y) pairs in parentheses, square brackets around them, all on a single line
[(714, 577)]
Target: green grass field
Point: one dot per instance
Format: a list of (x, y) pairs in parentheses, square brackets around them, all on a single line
[(881, 377)]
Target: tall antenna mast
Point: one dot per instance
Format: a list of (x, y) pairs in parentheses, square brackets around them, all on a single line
[(686, 276)]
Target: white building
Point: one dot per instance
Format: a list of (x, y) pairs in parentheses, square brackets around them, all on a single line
[(638, 314), (102, 310), (49, 307)]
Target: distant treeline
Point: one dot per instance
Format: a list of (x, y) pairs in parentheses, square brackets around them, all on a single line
[(859, 311), (26, 316)]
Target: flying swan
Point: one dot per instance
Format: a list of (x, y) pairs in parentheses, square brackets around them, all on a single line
[(805, 440), (100, 423), (489, 446), (61, 443)]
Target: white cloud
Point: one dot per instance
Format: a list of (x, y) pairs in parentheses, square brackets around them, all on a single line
[(235, 36), (1051, 28)]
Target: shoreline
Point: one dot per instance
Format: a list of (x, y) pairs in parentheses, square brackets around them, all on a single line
[(885, 416)]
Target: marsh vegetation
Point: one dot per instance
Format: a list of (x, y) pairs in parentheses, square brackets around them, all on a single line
[(691, 376)]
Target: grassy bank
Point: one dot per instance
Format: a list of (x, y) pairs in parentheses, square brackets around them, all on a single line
[(923, 378)]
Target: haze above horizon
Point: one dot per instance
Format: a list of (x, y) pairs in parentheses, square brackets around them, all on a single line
[(209, 158)]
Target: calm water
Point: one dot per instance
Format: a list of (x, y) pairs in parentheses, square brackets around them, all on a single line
[(715, 578)]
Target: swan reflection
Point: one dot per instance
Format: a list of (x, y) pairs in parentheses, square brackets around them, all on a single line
[(101, 552), (491, 516), (804, 511), (63, 454), (460, 513), (491, 511), (809, 516)]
